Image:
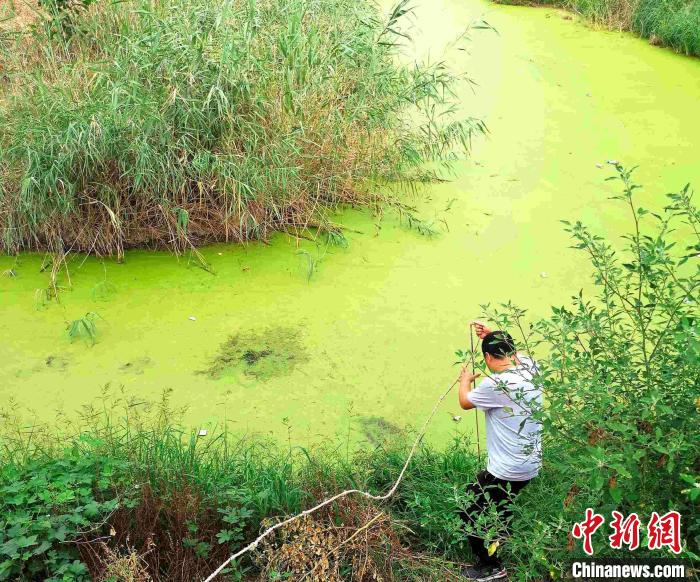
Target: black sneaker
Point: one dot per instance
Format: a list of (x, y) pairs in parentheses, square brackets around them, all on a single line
[(484, 573)]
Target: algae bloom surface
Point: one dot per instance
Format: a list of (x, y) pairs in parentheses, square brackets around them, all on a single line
[(366, 342)]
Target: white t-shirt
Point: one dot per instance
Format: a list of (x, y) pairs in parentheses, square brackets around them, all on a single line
[(513, 439)]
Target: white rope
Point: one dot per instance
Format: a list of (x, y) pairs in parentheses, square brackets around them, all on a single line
[(254, 544)]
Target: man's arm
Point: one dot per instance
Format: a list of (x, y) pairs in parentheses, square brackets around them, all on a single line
[(466, 382)]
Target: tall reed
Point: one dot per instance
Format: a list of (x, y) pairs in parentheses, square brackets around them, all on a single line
[(172, 123)]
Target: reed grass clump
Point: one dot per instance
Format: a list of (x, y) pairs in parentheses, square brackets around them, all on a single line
[(675, 23), (174, 123)]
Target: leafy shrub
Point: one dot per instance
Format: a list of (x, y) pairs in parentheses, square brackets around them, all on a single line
[(83, 327), (621, 384), (46, 505)]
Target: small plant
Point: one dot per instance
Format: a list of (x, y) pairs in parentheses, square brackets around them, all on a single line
[(197, 259), (12, 271), (42, 298), (84, 327), (335, 237), (103, 289), (310, 262)]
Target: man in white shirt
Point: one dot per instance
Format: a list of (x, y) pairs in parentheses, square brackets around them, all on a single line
[(508, 398)]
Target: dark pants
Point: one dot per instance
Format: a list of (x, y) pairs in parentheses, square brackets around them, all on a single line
[(500, 494)]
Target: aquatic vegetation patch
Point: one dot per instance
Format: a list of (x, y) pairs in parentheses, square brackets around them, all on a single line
[(260, 354), (377, 429)]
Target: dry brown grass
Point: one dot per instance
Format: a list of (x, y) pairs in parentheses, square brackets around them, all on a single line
[(17, 14), (353, 540), (615, 14)]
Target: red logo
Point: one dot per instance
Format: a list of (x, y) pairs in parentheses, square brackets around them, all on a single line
[(587, 528), (665, 531), (625, 531), (662, 531)]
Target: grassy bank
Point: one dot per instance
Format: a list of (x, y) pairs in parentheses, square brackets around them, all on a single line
[(671, 23), (146, 497), (131, 494), (182, 122)]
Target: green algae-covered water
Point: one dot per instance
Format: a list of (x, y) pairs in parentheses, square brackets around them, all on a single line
[(367, 343)]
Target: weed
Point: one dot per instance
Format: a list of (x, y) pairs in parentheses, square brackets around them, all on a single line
[(311, 261), (42, 298), (49, 502), (12, 271), (170, 506), (335, 237), (104, 289), (84, 327)]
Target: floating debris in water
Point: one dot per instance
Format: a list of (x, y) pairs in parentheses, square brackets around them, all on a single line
[(544, 275), (57, 362), (457, 418), (599, 165), (202, 432), (192, 318), (137, 365), (613, 162), (261, 354)]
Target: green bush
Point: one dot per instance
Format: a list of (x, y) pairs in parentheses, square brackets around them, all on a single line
[(620, 376), (180, 122)]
